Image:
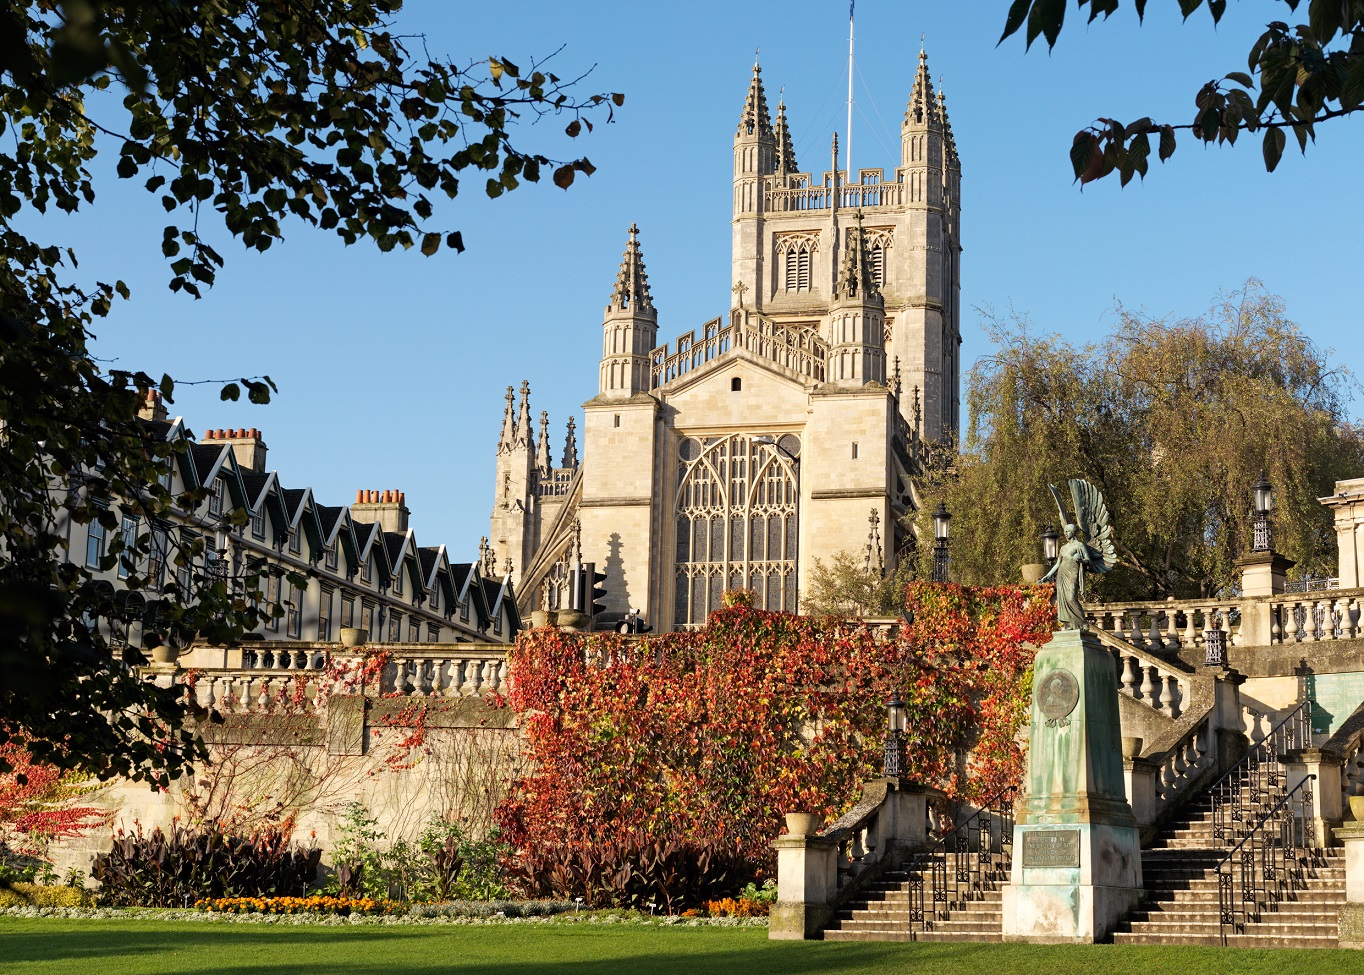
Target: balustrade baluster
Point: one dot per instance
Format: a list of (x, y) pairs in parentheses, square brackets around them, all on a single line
[(1129, 676), (1167, 693), (1347, 621), (1148, 687)]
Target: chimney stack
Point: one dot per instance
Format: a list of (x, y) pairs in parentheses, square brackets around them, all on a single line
[(247, 445), (388, 508)]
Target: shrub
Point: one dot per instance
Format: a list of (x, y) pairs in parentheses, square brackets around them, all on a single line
[(21, 894), (636, 872), (172, 870), (316, 904)]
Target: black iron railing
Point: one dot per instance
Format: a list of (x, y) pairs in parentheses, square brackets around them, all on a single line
[(970, 860), (1241, 798), (1273, 859)]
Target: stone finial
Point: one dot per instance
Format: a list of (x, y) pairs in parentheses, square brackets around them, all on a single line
[(524, 434), (781, 134), (571, 445), (873, 561), (923, 107), (856, 280), (918, 413), (542, 458), (895, 384), (631, 292), (755, 121), (508, 436)]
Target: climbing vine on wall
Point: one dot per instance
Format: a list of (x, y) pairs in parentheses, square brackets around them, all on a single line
[(714, 734)]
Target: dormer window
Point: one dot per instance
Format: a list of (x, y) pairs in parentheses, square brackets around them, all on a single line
[(367, 569), (332, 556), (258, 521), (398, 581), (215, 498), (295, 543), (433, 601)]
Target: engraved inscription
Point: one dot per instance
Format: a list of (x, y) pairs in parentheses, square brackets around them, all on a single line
[(1051, 848), (1057, 695)]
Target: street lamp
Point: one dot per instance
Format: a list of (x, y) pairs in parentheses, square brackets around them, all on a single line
[(1262, 540), (1050, 543), (940, 520), (894, 765)]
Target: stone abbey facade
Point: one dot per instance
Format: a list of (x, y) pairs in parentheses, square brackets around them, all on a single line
[(787, 430)]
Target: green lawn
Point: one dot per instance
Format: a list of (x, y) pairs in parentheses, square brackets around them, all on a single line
[(182, 948)]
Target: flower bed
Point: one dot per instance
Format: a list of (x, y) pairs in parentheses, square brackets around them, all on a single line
[(321, 904)]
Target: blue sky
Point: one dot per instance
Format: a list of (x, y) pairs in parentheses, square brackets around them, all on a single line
[(392, 367)]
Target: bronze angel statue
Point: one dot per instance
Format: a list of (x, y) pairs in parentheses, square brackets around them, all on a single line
[(1088, 546)]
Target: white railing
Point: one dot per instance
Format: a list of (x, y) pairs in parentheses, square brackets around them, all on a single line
[(1168, 625), (798, 352), (1309, 618), (1154, 682), (448, 670)]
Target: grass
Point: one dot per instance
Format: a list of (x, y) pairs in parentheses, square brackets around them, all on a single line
[(31, 947)]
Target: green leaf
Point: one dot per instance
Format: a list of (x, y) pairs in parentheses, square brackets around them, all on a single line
[(1167, 142), (1274, 142), (1241, 78), (230, 392), (1018, 10), (1046, 19), (430, 244), (456, 241), (563, 177)]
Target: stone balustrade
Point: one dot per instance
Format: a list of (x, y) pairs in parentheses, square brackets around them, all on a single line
[(1314, 617), (817, 873), (252, 676), (1168, 625), (1160, 684)]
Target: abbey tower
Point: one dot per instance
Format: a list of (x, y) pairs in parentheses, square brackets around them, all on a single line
[(790, 428)]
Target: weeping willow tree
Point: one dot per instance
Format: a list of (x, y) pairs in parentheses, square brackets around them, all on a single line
[(1173, 420)]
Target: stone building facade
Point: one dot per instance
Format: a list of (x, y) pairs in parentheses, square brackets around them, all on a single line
[(787, 430), (363, 563)]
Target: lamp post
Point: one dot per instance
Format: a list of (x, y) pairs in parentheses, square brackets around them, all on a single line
[(1262, 539), (894, 765), (940, 519), (1051, 543)]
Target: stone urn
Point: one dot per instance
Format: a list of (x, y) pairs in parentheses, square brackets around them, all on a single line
[(543, 617), (1131, 748), (354, 636), (1357, 808), (802, 823), (165, 654), (572, 620), (1033, 572)]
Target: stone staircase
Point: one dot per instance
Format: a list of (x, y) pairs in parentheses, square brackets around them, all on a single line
[(1181, 906), (883, 911)]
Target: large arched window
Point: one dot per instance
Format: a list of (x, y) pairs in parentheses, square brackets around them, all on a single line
[(737, 507)]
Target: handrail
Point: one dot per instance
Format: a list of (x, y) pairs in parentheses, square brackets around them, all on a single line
[(1267, 874), (971, 846), (1261, 769)]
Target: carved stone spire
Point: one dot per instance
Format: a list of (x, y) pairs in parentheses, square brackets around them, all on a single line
[(631, 292), (571, 445), (949, 143), (856, 280), (781, 134), (524, 434), (508, 436), (872, 558), (542, 458), (923, 107), (755, 121)]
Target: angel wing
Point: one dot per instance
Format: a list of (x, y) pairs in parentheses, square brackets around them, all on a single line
[(1091, 515), (1059, 507)]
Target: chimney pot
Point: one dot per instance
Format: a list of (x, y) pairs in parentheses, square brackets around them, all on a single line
[(358, 492)]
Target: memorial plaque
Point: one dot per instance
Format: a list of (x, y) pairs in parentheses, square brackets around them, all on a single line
[(1051, 848), (1057, 694)]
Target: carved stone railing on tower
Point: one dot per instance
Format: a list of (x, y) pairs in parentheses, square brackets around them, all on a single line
[(868, 195), (798, 352)]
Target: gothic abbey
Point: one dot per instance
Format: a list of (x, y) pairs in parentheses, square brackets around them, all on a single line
[(777, 433)]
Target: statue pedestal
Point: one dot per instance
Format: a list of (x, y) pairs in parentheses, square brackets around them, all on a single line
[(1077, 849)]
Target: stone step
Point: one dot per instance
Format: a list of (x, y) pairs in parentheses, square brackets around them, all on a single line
[(1233, 941), (1213, 928), (1187, 900)]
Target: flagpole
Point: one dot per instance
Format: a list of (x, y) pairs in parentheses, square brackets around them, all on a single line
[(848, 135)]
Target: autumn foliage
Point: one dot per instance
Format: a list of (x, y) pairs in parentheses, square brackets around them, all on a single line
[(39, 802), (713, 735)]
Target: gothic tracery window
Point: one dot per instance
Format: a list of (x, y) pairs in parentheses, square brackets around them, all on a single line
[(737, 522)]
